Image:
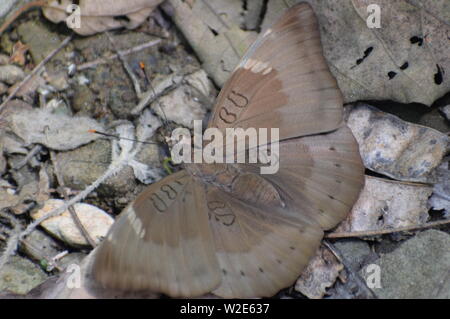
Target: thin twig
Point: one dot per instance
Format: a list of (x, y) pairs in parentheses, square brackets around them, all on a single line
[(113, 169), (35, 71), (167, 84), (137, 87), (26, 7), (73, 214), (36, 149), (36, 253), (104, 60), (12, 242), (357, 278), (367, 233)]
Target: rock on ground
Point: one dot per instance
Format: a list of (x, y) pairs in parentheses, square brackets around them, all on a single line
[(419, 268)]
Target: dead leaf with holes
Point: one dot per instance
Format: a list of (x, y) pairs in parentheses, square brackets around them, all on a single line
[(387, 204), (100, 15), (396, 148), (406, 60), (213, 30)]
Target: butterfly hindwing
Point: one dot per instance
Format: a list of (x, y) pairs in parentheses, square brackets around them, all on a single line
[(161, 242), (259, 250), (319, 176)]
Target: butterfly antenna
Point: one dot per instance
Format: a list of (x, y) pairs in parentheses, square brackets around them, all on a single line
[(119, 137), (164, 117)]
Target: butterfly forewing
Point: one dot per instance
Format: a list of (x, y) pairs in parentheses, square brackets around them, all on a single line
[(283, 82), (161, 242)]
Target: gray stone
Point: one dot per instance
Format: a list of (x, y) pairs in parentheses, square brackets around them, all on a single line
[(20, 275), (40, 40), (84, 165), (419, 268), (39, 246), (3, 88), (11, 74), (5, 7), (446, 111), (354, 251)]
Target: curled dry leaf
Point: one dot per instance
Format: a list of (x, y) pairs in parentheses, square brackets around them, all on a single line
[(396, 148), (385, 204), (56, 131), (320, 274), (102, 15), (405, 60)]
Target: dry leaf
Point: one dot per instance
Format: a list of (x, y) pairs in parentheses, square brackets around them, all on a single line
[(19, 52), (440, 200), (385, 204), (406, 60), (212, 29), (320, 274), (102, 15), (396, 148), (55, 131), (187, 102)]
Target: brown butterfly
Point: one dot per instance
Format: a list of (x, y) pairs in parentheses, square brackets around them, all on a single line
[(225, 228)]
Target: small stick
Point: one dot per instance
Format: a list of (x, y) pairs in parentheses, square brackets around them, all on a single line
[(104, 60), (13, 241), (120, 138), (366, 233), (167, 84), (36, 253), (35, 71), (26, 7), (73, 214), (358, 280), (36, 149), (137, 87)]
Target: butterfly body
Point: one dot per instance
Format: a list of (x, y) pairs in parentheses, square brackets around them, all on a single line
[(226, 228)]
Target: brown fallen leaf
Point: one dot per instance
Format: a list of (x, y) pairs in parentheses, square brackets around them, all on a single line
[(101, 15), (19, 52)]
